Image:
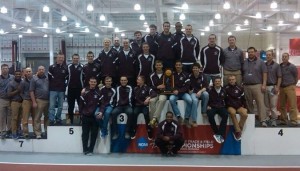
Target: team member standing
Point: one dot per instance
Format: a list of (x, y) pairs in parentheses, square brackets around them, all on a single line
[(142, 95), (216, 105), (189, 49), (178, 35), (157, 84), (255, 80), (136, 45), (198, 91), (27, 109), (212, 59), (287, 91), (181, 91), (151, 40), (91, 69), (169, 137), (123, 105), (39, 94), (89, 102), (13, 92), (145, 63), (117, 45), (75, 84), (108, 59), (107, 95), (235, 102), (166, 43), (5, 110), (127, 63), (57, 74), (234, 60), (272, 89)]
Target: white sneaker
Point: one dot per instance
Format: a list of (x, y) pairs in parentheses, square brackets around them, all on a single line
[(218, 138)]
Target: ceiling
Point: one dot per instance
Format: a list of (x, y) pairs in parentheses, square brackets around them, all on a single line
[(123, 16)]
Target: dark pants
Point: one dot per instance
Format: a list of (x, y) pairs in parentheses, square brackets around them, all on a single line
[(137, 110), (187, 68), (222, 112), (73, 94), (166, 146), (89, 126), (114, 115)]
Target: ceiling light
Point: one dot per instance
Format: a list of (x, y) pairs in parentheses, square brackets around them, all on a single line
[(77, 25), (70, 35), (258, 15), (226, 5), (96, 35), (182, 16), (28, 31), (57, 30), (273, 5), (142, 17), (45, 35), (1, 31), (207, 28), (117, 30), (102, 17), (137, 7), (13, 26), (145, 23), (45, 25), (246, 22), (64, 18), (238, 28), (269, 28), (257, 34), (110, 24), (28, 19), (185, 6), (229, 33), (90, 7), (211, 22), (147, 29), (298, 28), (202, 33), (122, 34), (217, 16), (46, 8), (20, 36), (3, 10), (87, 30), (296, 15), (280, 22)]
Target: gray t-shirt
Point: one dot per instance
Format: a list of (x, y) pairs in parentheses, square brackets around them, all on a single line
[(25, 85), (289, 75), (233, 59), (12, 86), (40, 87), (274, 72), (4, 84), (253, 71)]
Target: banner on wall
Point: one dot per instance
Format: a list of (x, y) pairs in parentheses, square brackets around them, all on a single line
[(294, 47)]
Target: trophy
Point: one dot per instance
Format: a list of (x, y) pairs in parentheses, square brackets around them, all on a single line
[(168, 81)]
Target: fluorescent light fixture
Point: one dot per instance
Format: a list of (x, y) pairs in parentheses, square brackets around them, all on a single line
[(20, 36), (64, 18), (77, 24), (14, 26), (57, 30), (229, 33), (96, 35), (117, 30), (122, 34), (296, 15), (258, 15), (3, 10), (28, 19), (102, 17), (202, 33), (70, 35), (246, 22), (142, 17), (145, 23), (110, 24), (90, 7), (280, 22), (211, 23), (182, 16), (273, 5), (217, 16), (226, 5), (298, 28), (87, 30), (257, 34), (238, 28), (45, 35), (137, 7), (28, 31), (185, 6), (147, 29), (1, 31), (46, 8), (269, 28), (207, 28), (45, 25)]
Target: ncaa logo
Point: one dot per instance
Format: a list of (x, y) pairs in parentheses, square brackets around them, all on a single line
[(142, 143)]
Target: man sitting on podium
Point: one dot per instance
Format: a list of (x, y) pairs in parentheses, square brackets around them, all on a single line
[(169, 137)]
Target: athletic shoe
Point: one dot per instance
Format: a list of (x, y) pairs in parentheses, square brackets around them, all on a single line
[(180, 120), (217, 138), (194, 124), (222, 139), (116, 136), (187, 123), (273, 123), (264, 124), (237, 136), (38, 137)]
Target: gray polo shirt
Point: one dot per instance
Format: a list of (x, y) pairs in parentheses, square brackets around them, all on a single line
[(253, 71), (274, 72), (25, 85), (12, 86), (40, 87), (289, 75), (233, 59), (4, 84)]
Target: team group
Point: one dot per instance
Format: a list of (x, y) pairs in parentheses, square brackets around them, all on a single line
[(133, 77)]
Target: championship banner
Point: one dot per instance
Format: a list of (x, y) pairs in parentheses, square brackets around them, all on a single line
[(294, 47)]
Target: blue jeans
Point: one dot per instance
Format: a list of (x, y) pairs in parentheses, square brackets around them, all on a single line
[(104, 122), (55, 96), (204, 100), (188, 100)]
